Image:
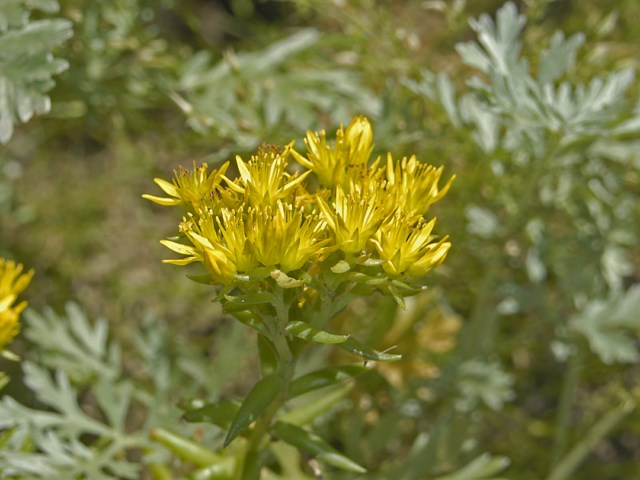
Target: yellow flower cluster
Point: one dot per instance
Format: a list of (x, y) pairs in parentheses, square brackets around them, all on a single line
[(12, 283), (278, 216)]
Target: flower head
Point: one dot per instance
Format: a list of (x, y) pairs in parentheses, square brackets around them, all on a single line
[(268, 219), (263, 179), (12, 283), (195, 188), (412, 185), (284, 236), (408, 248), (219, 242), (353, 217), (332, 164), (234, 242)]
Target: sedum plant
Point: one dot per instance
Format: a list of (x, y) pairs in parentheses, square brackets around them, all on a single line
[(287, 244)]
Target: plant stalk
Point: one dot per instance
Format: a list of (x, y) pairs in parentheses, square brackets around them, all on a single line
[(570, 385), (569, 464), (285, 368)]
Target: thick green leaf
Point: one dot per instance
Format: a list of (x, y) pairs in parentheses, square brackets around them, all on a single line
[(222, 470), (307, 332), (309, 410), (484, 467), (248, 319), (314, 445), (245, 302), (260, 397), (203, 279), (353, 346), (323, 378), (219, 413), (185, 449)]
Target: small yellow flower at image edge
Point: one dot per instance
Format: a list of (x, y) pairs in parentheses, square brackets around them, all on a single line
[(12, 283), (284, 216)]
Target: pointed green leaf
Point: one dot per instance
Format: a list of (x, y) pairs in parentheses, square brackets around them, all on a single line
[(260, 397), (483, 467), (366, 352), (307, 332), (314, 445), (204, 279), (185, 449), (324, 378), (397, 297), (245, 302), (219, 413), (222, 470), (249, 320), (309, 410)]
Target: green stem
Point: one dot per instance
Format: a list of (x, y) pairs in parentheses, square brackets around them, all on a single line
[(285, 368), (480, 336), (567, 397), (565, 469), (159, 472)]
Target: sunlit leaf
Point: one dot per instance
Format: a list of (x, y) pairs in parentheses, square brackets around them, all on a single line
[(256, 402), (307, 332), (353, 346), (314, 445), (219, 413), (323, 378)]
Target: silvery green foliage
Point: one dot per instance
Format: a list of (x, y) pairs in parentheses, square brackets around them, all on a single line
[(56, 433), (611, 326), (80, 351), (511, 107), (483, 383), (84, 397), (27, 64), (558, 151), (247, 97)]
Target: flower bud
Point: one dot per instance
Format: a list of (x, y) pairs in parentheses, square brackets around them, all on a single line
[(358, 139)]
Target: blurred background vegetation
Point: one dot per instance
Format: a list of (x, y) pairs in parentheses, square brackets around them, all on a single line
[(523, 356)]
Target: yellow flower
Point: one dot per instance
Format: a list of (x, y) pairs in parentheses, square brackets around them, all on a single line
[(227, 244), (267, 219), (413, 186), (213, 256), (409, 249), (195, 189), (264, 179), (353, 217), (332, 164), (217, 241), (283, 236), (12, 283)]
